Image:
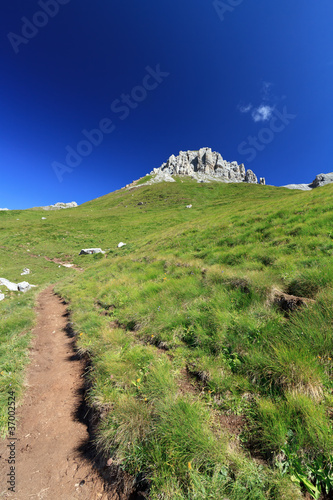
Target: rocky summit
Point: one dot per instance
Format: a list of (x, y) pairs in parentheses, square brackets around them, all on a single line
[(205, 165)]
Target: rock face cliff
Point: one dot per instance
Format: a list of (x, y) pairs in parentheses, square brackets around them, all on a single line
[(205, 165)]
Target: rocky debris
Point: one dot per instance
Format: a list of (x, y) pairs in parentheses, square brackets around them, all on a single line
[(88, 251), (287, 302), (159, 177), (25, 271), (3, 209), (319, 181), (205, 165), (121, 244), (188, 206), (24, 286), (60, 205)]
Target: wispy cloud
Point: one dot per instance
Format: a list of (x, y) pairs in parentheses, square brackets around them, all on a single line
[(264, 110), (246, 108), (262, 113)]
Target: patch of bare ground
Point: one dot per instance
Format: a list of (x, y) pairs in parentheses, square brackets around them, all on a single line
[(58, 261), (286, 302), (55, 456)]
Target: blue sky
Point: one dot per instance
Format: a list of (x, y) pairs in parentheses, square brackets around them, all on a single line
[(252, 79)]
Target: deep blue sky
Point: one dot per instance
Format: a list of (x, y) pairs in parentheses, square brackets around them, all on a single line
[(231, 70)]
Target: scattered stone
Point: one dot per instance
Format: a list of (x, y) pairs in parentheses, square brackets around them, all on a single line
[(25, 271), (188, 206), (87, 251), (1, 297), (121, 244), (43, 218)]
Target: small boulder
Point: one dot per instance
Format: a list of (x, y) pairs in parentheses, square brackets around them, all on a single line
[(1, 296), (43, 218), (87, 251), (121, 244), (24, 286), (188, 206), (25, 271)]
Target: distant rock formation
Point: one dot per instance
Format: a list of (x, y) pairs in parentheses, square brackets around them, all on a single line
[(60, 205), (320, 180), (205, 165)]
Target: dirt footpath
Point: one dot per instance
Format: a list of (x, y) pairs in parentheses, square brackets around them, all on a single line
[(50, 432)]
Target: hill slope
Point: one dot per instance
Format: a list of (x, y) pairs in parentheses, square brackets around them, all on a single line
[(211, 381)]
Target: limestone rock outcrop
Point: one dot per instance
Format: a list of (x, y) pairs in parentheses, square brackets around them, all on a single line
[(206, 165), (60, 205), (320, 180)]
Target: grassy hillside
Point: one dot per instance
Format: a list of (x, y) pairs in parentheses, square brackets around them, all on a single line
[(207, 388)]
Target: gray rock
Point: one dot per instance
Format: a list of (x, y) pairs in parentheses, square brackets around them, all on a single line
[(203, 165), (303, 187), (319, 181), (60, 205), (87, 251), (121, 244), (24, 286), (25, 271), (322, 180), (12, 287)]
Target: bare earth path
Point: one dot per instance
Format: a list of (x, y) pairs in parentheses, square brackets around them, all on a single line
[(48, 463)]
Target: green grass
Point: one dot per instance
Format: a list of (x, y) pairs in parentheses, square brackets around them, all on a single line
[(183, 337)]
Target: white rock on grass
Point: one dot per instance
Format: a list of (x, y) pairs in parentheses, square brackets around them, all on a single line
[(24, 286), (121, 244), (43, 218), (87, 251), (12, 287), (25, 271), (1, 296), (188, 206)]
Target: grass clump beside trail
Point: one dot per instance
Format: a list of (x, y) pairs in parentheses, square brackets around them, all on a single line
[(207, 390)]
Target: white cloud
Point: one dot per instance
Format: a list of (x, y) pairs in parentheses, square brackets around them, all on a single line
[(262, 113), (265, 90), (246, 108)]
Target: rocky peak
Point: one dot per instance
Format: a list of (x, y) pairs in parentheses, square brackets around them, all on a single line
[(205, 165)]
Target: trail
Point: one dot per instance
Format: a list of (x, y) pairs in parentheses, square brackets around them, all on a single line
[(50, 432)]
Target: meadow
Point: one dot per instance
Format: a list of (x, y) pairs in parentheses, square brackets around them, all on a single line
[(206, 388)]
